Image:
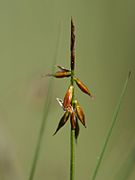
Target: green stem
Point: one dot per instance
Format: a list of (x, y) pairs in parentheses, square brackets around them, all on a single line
[(46, 112), (114, 118), (40, 137), (72, 155)]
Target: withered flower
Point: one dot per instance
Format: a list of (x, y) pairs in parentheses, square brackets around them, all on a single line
[(74, 114), (73, 121), (82, 87)]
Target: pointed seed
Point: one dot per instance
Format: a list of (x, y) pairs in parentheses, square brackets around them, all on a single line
[(83, 87), (80, 113), (68, 97), (62, 122)]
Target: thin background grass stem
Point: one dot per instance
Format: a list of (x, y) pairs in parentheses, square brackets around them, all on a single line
[(41, 132), (114, 120), (46, 112)]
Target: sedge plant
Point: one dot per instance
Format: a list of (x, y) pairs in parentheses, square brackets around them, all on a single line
[(72, 109)]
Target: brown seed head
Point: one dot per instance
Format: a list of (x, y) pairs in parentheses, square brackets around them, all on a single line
[(72, 45), (68, 97)]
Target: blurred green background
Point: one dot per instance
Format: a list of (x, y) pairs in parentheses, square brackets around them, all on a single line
[(32, 34)]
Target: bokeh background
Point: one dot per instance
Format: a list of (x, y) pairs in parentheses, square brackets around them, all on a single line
[(33, 33)]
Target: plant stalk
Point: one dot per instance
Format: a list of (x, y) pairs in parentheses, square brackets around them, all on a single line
[(45, 115), (72, 138), (72, 156), (41, 132), (114, 120)]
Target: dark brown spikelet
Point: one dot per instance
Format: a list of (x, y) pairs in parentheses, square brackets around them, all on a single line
[(83, 87), (72, 45), (62, 121), (80, 113), (77, 129), (60, 74), (73, 120)]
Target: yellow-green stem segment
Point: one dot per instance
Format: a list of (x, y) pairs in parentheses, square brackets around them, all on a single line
[(72, 155)]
